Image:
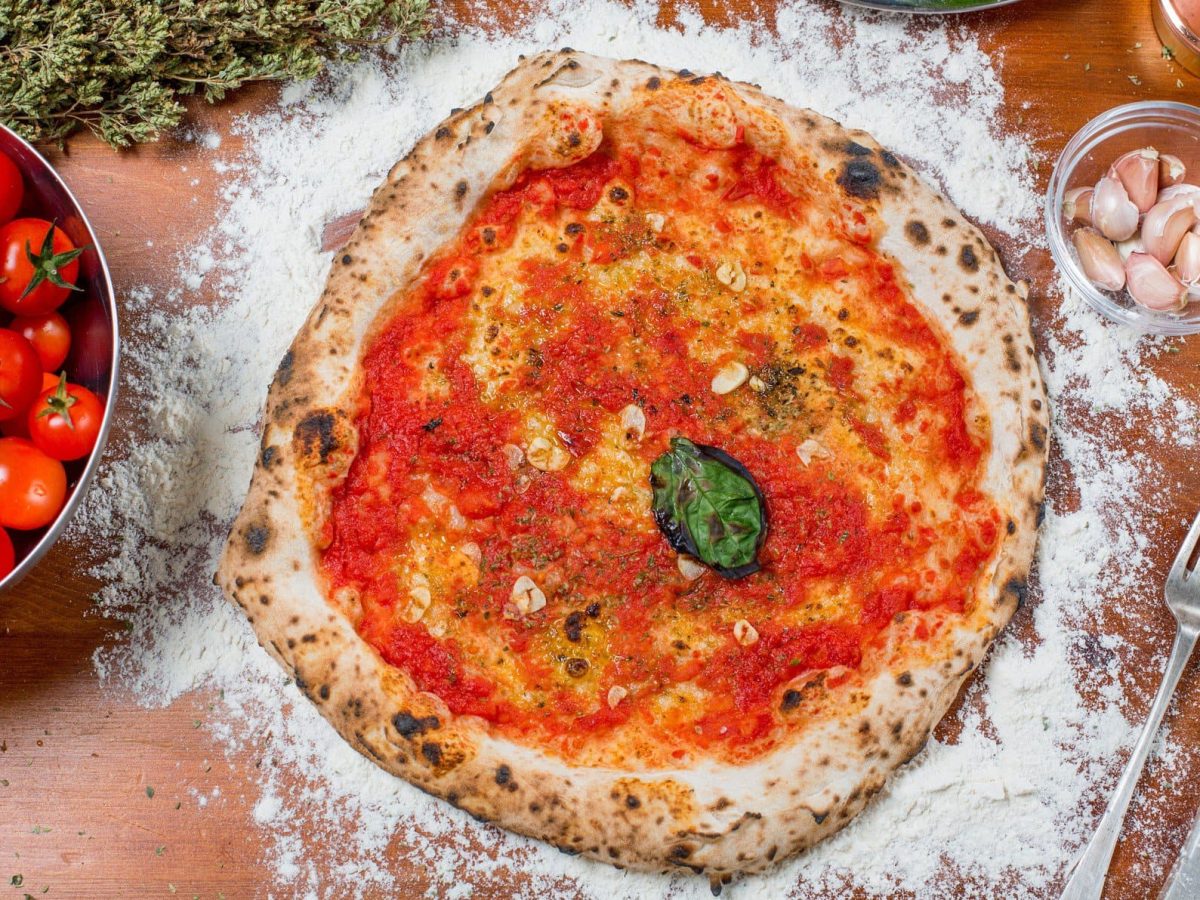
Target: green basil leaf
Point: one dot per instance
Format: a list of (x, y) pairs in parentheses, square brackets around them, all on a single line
[(707, 505)]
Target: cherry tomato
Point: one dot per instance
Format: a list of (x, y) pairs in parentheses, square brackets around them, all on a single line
[(64, 421), (33, 487), (8, 556), (20, 374), (50, 336), (12, 188), (38, 267)]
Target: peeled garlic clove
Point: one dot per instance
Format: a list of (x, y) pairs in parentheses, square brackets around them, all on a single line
[(1165, 225), (1100, 260), (1187, 259), (1077, 205), (1178, 190), (1170, 170), (1151, 285), (1113, 213), (1133, 245), (1138, 172)]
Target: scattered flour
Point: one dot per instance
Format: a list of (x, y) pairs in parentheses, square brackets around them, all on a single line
[(997, 810)]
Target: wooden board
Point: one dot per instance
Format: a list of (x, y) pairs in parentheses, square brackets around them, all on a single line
[(77, 761)]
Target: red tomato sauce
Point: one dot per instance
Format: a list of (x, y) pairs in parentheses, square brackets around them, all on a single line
[(601, 352)]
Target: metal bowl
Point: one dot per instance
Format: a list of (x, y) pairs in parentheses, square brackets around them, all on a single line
[(93, 361), (928, 7)]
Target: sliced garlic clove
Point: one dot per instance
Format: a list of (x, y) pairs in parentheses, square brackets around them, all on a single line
[(1138, 172), (810, 450), (419, 600), (1187, 259), (730, 377), (689, 568), (633, 420), (732, 275), (757, 384), (472, 552), (1165, 225), (1151, 285), (616, 694), (527, 597), (745, 633), (1077, 205), (656, 221), (546, 455), (1170, 170), (1100, 260), (1113, 213), (513, 455)]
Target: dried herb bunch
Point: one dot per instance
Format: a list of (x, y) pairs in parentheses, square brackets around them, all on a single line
[(120, 66)]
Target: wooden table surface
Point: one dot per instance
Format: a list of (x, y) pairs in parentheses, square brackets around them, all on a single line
[(76, 759)]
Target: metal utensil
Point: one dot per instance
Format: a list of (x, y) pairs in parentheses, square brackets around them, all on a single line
[(1184, 881), (1183, 599)]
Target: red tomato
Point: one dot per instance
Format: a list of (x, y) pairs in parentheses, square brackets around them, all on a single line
[(65, 420), (8, 556), (20, 374), (38, 267), (50, 336), (12, 189), (33, 487)]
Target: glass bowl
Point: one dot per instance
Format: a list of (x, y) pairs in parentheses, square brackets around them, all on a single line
[(93, 361), (1168, 127), (934, 7)]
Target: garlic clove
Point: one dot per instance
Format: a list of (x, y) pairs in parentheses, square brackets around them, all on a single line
[(1113, 213), (1170, 170), (1077, 205), (1133, 245), (1183, 189), (1138, 172), (730, 377), (1187, 259), (1099, 258), (1151, 285), (1165, 225)]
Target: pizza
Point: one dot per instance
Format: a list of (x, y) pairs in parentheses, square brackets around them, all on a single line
[(656, 465)]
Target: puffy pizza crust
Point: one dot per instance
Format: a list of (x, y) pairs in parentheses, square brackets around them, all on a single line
[(713, 819)]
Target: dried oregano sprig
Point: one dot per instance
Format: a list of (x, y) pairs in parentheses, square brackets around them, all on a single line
[(119, 66)]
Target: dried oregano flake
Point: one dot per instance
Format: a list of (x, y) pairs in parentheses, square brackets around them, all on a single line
[(119, 67)]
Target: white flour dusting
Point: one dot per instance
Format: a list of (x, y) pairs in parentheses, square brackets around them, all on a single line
[(996, 811)]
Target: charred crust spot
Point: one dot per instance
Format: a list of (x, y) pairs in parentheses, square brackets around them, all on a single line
[(618, 194), (967, 258), (904, 679), (576, 667), (460, 190), (1011, 360), (632, 802), (442, 133), (1041, 514), (889, 159), (860, 178), (503, 774), (1037, 435), (772, 852), (256, 538), (573, 627), (574, 228), (487, 98), (323, 692), (680, 851), (653, 82), (409, 726), (897, 727), (284, 373), (1011, 527), (574, 139), (264, 599), (489, 237), (917, 232), (853, 148), (309, 638), (1019, 589), (316, 432), (593, 610), (268, 456), (791, 699), (970, 317), (487, 129), (819, 817), (432, 751)]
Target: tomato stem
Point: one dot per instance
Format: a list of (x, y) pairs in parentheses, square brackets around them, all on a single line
[(46, 264)]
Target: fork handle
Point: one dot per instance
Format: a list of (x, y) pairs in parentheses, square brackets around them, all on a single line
[(1087, 879)]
